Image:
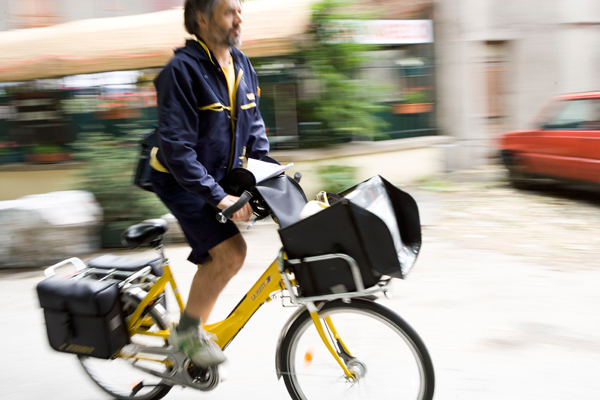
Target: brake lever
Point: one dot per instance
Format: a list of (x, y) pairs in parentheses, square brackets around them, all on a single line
[(251, 224)]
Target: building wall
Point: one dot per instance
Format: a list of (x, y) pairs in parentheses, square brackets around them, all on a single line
[(4, 15), (517, 53), (21, 14), (36, 179)]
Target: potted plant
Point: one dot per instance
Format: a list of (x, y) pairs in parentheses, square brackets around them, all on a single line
[(10, 153), (118, 108), (415, 102), (47, 154), (107, 172)]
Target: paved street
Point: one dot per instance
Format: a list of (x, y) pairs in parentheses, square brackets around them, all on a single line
[(504, 294)]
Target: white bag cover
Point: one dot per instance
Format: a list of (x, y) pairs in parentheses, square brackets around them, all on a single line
[(372, 196)]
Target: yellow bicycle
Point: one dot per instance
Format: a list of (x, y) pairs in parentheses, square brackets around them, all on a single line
[(340, 343)]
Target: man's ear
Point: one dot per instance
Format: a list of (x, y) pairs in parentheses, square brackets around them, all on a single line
[(202, 19)]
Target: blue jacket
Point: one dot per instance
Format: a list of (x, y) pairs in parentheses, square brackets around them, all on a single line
[(196, 120)]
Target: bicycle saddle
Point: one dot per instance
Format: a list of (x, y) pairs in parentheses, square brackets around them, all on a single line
[(148, 231)]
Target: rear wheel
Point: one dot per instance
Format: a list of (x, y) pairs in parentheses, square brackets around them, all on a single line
[(117, 376), (384, 353)]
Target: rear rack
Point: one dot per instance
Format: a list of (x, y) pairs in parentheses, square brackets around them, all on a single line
[(83, 271)]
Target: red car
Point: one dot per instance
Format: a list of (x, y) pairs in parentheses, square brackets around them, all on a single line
[(565, 144)]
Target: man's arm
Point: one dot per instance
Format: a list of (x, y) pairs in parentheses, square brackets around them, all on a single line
[(178, 133)]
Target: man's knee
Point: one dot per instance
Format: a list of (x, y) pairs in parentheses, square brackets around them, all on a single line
[(231, 252), (239, 253)]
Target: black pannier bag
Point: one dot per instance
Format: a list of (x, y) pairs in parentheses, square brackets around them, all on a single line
[(346, 228), (149, 140), (83, 316)]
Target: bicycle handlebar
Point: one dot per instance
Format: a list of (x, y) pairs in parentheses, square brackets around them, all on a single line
[(224, 215)]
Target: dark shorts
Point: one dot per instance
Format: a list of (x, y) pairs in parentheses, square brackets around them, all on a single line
[(196, 218)]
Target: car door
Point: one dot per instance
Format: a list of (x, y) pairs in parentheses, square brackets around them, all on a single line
[(559, 143), (589, 166)]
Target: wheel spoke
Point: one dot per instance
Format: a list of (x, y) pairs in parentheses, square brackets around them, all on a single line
[(388, 359)]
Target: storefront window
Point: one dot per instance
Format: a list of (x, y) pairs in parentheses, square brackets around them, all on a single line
[(46, 116)]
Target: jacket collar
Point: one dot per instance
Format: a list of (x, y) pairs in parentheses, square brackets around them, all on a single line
[(199, 50)]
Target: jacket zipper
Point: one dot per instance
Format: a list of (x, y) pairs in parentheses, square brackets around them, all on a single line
[(233, 108)]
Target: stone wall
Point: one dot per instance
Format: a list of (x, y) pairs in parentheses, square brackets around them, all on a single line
[(39, 230), (399, 161)]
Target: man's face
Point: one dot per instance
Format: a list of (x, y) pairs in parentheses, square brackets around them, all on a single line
[(224, 28)]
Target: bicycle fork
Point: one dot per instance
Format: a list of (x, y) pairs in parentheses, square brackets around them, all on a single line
[(354, 370)]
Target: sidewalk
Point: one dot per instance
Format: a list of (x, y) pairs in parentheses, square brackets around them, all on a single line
[(501, 321)]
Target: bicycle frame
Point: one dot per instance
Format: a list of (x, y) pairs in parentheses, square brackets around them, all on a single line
[(274, 279), (157, 288), (259, 294), (225, 330)]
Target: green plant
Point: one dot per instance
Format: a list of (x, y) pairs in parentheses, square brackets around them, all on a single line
[(436, 185), (344, 104), (47, 149), (336, 178), (7, 148), (417, 97), (108, 169)]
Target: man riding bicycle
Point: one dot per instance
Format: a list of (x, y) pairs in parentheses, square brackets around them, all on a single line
[(208, 121)]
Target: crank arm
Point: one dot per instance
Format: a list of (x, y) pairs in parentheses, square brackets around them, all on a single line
[(175, 358), (159, 351), (176, 375)]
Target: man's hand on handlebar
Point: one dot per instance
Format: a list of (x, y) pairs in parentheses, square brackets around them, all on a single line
[(243, 214)]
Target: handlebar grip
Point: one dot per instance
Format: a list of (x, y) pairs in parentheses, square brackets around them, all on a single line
[(224, 215)]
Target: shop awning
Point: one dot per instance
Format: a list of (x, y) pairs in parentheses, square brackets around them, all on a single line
[(271, 28)]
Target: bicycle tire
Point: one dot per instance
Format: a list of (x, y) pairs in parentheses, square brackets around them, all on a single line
[(116, 376), (388, 371)]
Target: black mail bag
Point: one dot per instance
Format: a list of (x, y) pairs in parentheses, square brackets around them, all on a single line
[(83, 316), (345, 228), (141, 177)]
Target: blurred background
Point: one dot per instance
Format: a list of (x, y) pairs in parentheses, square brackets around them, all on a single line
[(349, 88)]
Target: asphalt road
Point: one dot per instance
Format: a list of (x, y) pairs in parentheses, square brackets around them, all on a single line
[(499, 323)]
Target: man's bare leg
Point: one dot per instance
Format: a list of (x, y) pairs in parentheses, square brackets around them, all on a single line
[(210, 279), (226, 260)]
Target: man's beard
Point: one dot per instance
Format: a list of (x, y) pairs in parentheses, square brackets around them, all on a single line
[(234, 41), (226, 38)]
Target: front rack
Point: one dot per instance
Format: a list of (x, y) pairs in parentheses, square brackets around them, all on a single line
[(355, 270)]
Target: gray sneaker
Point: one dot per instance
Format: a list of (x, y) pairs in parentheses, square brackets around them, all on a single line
[(198, 346)]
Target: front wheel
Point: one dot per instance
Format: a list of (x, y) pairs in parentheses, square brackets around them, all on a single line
[(386, 355)]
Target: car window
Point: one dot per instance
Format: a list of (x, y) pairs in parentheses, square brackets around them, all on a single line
[(547, 113), (593, 122), (581, 114)]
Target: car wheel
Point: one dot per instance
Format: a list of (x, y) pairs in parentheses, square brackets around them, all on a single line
[(517, 175)]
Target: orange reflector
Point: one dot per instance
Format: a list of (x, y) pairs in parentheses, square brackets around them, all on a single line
[(308, 356)]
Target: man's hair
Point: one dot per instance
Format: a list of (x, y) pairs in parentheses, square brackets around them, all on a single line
[(191, 8)]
